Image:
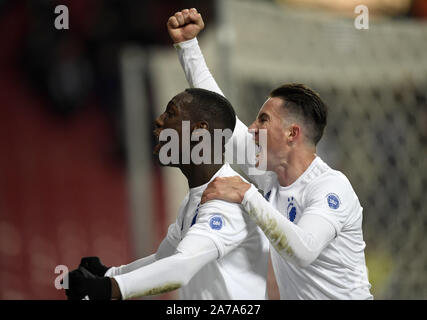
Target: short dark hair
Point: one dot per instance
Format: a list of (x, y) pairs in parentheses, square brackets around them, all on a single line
[(304, 103), (212, 107)]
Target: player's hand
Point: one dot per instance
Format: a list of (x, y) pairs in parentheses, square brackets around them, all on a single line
[(231, 189), (185, 25), (94, 265), (82, 283)]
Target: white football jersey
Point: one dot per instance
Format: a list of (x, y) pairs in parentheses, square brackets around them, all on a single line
[(240, 272), (339, 272)]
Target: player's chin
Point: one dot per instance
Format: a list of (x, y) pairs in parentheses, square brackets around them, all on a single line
[(156, 153), (261, 162)]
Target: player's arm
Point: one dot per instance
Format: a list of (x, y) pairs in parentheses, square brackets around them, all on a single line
[(204, 242), (96, 267), (169, 273), (165, 249), (161, 276), (183, 28), (300, 243)]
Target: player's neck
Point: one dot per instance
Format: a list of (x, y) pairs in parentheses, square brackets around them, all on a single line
[(198, 175), (294, 166)]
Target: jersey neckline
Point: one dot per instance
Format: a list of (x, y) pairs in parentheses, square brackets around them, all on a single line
[(310, 168)]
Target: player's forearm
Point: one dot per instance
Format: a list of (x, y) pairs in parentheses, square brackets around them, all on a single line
[(291, 241), (162, 276), (194, 66), (115, 271), (165, 249)]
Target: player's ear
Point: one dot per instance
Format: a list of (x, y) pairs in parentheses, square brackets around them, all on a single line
[(294, 131), (196, 129)]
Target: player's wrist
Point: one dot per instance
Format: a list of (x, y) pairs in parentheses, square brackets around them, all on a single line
[(115, 290), (249, 194), (243, 189), (186, 44)]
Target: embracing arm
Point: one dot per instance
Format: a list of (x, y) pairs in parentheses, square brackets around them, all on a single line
[(300, 243), (161, 276)]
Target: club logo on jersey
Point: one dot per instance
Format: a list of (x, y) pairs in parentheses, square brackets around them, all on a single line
[(215, 222), (291, 210), (333, 201)]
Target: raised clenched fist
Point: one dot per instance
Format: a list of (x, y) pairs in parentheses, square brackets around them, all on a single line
[(185, 25)]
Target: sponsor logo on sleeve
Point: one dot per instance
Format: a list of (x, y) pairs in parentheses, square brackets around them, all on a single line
[(216, 222), (333, 201)]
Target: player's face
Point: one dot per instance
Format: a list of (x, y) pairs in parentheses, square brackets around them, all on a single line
[(171, 118), (270, 117)]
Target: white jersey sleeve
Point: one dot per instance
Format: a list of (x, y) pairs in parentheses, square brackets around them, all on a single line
[(165, 249), (332, 197), (299, 243), (161, 276), (174, 234), (222, 222), (198, 76), (193, 63)]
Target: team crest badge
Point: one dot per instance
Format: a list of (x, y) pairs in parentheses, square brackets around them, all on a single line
[(291, 209)]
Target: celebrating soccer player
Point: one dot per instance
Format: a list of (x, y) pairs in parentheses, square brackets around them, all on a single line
[(310, 213), (212, 251)]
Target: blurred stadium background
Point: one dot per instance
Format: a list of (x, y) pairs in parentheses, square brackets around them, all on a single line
[(76, 108)]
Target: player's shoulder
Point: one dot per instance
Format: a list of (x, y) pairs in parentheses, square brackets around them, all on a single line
[(332, 184), (225, 213), (221, 205), (228, 171)]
